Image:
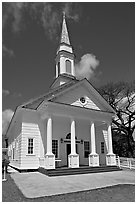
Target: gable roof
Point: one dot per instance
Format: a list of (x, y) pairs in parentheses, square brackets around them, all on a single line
[(34, 103), (91, 88), (57, 91), (65, 76)]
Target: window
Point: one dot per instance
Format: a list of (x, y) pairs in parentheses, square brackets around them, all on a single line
[(13, 153), (30, 145), (102, 148), (17, 145), (68, 66), (58, 68), (68, 136), (55, 148), (86, 149), (82, 99)]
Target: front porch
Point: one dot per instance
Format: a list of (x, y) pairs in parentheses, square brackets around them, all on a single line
[(85, 144), (90, 141)]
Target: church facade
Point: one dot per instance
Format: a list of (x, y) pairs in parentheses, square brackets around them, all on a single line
[(68, 126)]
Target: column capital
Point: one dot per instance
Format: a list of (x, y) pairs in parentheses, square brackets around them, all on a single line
[(49, 116), (109, 123), (92, 122), (72, 119)]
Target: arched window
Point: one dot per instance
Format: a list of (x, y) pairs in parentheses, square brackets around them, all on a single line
[(68, 66), (58, 68), (69, 136)]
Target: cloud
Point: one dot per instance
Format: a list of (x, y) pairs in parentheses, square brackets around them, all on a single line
[(70, 10), (16, 95), (5, 92), (50, 15), (50, 20), (17, 13), (86, 67), (6, 118), (12, 14), (7, 52), (47, 14)]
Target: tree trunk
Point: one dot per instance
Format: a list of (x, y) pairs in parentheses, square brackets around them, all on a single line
[(131, 145)]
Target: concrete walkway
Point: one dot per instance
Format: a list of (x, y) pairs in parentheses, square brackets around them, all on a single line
[(35, 184)]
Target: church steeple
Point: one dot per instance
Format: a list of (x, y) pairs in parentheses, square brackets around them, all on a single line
[(65, 56), (64, 34)]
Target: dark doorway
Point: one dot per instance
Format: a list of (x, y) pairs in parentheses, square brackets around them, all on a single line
[(68, 146), (68, 150)]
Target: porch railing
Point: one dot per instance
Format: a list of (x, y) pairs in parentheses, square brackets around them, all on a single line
[(123, 162)]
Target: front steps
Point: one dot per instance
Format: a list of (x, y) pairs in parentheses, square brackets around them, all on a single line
[(73, 171)]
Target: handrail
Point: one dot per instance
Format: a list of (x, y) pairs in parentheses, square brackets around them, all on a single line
[(125, 162)]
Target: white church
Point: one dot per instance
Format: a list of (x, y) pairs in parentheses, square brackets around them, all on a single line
[(70, 126)]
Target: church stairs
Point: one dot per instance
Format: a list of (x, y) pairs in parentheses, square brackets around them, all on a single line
[(81, 170)]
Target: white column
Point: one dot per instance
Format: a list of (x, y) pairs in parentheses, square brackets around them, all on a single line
[(110, 157), (110, 148), (49, 136), (72, 68), (62, 65), (73, 158), (93, 157), (57, 70), (73, 142), (49, 157), (93, 144)]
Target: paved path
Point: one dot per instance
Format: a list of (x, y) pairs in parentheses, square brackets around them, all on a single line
[(36, 184)]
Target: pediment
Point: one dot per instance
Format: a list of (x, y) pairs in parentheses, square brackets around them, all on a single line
[(83, 89), (86, 102)]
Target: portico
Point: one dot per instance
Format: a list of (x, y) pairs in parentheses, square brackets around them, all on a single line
[(72, 120)]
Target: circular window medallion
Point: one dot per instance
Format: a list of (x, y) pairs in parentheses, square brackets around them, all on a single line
[(82, 100)]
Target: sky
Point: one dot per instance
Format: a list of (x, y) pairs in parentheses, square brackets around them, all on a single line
[(30, 38)]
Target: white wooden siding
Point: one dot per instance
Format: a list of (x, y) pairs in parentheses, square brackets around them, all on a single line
[(30, 130), (17, 152)]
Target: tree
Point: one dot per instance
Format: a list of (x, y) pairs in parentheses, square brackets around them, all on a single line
[(121, 96)]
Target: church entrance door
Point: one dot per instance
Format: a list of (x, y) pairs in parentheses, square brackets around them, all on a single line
[(68, 148), (68, 151)]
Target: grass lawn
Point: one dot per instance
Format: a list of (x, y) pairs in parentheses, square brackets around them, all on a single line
[(119, 193)]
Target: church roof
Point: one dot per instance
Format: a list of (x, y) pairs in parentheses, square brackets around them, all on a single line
[(66, 76), (54, 92), (34, 103), (64, 34)]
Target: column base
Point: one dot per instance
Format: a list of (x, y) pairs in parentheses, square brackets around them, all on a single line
[(49, 161), (93, 159), (73, 160), (111, 159)]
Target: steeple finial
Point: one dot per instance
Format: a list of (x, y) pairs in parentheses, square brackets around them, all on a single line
[(64, 14), (64, 34)]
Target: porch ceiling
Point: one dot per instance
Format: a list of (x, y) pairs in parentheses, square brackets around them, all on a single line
[(69, 111)]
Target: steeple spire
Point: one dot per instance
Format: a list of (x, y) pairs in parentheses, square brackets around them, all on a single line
[(64, 34), (65, 57)]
